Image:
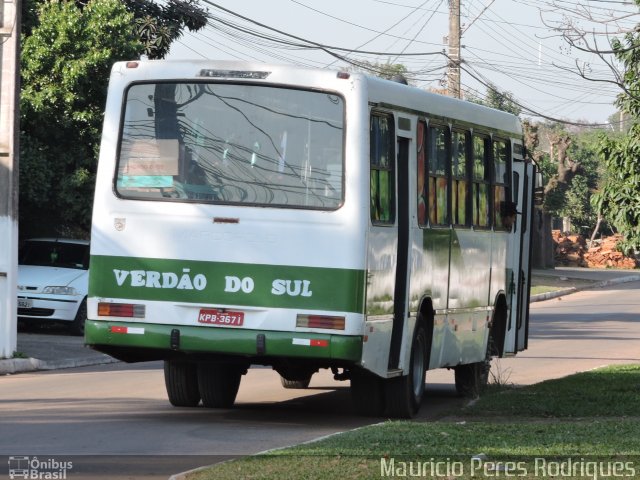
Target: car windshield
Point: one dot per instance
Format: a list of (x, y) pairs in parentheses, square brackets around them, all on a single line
[(55, 254)]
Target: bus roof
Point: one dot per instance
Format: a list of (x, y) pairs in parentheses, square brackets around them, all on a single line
[(382, 92), (421, 101)]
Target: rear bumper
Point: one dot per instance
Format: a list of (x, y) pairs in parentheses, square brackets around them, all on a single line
[(131, 341)]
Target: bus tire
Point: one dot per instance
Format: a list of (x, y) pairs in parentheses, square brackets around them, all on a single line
[(404, 394), (181, 381), (295, 384), (471, 379), (218, 384), (367, 393)]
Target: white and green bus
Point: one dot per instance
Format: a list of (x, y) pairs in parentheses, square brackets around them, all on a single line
[(251, 214)]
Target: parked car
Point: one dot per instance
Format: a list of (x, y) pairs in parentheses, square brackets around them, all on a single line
[(53, 280)]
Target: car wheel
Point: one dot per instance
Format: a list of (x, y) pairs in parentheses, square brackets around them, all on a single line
[(77, 326)]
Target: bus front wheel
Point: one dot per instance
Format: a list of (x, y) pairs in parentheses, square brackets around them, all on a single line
[(218, 384), (473, 378), (181, 381), (404, 394)]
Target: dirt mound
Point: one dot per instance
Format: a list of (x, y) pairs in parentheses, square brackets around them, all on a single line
[(572, 251)]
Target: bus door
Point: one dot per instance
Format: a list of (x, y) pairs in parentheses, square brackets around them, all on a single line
[(400, 304), (524, 286), (388, 244), (520, 258), (384, 268)]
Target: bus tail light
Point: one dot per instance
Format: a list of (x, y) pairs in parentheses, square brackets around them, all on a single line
[(121, 310), (320, 321)]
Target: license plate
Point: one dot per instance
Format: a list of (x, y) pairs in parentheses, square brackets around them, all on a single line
[(25, 303), (217, 317)]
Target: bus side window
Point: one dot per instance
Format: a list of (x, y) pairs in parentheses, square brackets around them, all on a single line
[(459, 178), (480, 182), (438, 174), (501, 190), (382, 164)]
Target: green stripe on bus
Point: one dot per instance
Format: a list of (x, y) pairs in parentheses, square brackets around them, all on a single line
[(235, 341), (220, 283)]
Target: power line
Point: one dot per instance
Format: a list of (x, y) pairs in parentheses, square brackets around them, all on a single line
[(522, 69)]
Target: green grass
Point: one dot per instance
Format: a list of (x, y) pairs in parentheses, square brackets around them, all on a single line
[(550, 283), (588, 417), (605, 392)]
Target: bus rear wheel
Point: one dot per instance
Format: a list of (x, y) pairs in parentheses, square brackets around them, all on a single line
[(181, 381), (218, 384), (367, 393), (404, 394)]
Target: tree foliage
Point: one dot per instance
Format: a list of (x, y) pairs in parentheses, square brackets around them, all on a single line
[(388, 71), (494, 98), (68, 48), (159, 25), (568, 161), (619, 197), (65, 65)]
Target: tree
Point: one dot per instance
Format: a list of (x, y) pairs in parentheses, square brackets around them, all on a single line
[(618, 199), (65, 65), (593, 31), (388, 71), (68, 50), (504, 101), (542, 256), (569, 163), (159, 25)]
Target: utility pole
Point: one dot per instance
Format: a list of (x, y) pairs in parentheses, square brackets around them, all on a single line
[(9, 82), (453, 74)]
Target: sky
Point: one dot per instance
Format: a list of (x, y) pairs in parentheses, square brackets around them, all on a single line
[(511, 44)]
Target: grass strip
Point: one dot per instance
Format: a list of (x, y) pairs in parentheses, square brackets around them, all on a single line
[(582, 426), (550, 283)]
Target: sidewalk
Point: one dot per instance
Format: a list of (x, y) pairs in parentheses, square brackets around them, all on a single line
[(55, 349), (600, 278), (51, 351)]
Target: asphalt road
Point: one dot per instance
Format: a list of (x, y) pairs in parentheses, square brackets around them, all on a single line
[(579, 332), (114, 421)]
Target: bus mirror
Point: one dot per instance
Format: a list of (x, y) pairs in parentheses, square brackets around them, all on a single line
[(538, 196), (538, 189)]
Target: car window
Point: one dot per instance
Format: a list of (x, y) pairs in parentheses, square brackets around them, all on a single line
[(55, 254)]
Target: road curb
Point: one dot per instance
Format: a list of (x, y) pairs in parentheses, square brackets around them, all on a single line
[(567, 291), (12, 366)]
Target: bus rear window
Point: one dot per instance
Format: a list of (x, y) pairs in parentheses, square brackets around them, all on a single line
[(232, 144)]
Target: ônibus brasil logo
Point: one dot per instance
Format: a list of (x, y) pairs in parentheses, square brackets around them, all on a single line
[(38, 469)]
